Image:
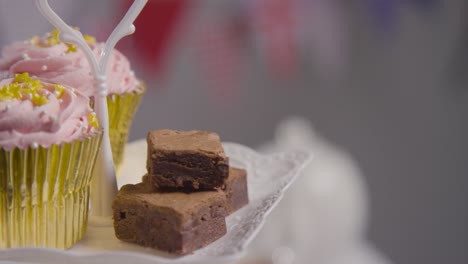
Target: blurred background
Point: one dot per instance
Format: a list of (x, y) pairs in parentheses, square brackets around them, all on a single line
[(377, 89)]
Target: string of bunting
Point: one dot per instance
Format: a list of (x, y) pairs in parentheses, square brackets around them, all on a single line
[(284, 33)]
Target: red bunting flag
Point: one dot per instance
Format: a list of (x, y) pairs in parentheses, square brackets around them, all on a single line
[(156, 26), (274, 25), (216, 42)]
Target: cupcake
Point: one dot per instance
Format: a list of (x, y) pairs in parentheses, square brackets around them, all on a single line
[(49, 140), (50, 59)]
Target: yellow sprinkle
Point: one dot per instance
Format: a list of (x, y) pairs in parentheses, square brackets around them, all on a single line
[(53, 38), (24, 88), (10, 92), (14, 91), (93, 120), (89, 39), (71, 48), (4, 94), (35, 84), (27, 90), (59, 88), (38, 99), (22, 78)]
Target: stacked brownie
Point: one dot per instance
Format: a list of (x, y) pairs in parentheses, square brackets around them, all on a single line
[(181, 204)]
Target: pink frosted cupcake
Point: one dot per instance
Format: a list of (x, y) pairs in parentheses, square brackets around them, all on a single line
[(49, 141), (58, 62)]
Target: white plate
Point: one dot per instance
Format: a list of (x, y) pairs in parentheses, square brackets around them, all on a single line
[(268, 177)]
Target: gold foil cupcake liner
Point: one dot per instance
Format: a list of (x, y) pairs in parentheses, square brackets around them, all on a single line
[(122, 109), (44, 194)]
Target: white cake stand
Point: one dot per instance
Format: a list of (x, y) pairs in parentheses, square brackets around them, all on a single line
[(268, 178)]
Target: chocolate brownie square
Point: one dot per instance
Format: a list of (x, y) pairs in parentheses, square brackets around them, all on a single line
[(236, 189), (190, 160), (175, 222)]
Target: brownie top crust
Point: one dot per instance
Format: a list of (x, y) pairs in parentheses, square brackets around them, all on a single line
[(182, 205), (206, 142)]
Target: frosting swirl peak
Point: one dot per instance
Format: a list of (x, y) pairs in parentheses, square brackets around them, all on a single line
[(34, 112), (57, 62)]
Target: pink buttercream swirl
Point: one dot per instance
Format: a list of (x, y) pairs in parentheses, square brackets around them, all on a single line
[(56, 65), (24, 124)]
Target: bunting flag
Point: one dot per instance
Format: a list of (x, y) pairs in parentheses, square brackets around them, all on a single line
[(289, 32), (216, 42), (156, 26), (281, 29), (274, 27), (322, 35), (286, 32)]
